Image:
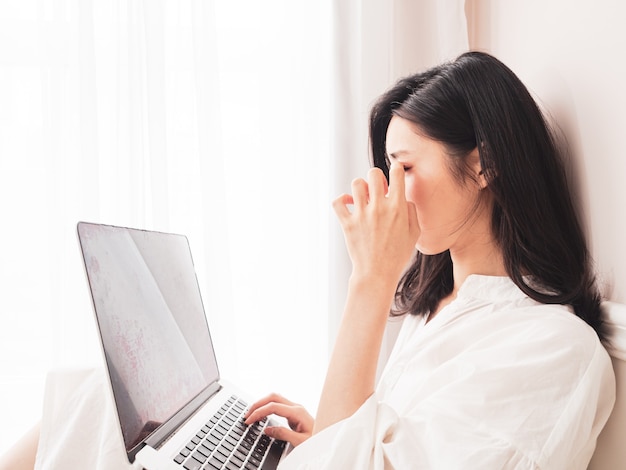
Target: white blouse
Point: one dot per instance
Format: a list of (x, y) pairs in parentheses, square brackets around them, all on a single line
[(494, 381)]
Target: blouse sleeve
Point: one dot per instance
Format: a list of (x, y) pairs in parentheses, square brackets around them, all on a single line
[(498, 405), (376, 438)]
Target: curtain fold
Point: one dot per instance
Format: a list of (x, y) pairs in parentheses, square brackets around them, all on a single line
[(201, 117)]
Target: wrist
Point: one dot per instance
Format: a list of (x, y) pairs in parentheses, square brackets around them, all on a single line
[(370, 293), (372, 282)]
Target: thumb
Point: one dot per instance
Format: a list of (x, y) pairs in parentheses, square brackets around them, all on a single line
[(286, 434)]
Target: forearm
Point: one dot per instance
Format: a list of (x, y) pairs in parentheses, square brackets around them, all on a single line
[(381, 231), (351, 375)]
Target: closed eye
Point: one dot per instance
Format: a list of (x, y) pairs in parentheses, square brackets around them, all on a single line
[(388, 162)]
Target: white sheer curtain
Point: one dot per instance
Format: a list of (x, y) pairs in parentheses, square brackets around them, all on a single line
[(203, 117), (235, 123)]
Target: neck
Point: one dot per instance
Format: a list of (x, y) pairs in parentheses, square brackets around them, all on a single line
[(486, 260), (475, 252), (478, 252)]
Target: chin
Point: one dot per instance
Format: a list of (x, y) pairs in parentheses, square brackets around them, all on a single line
[(430, 248)]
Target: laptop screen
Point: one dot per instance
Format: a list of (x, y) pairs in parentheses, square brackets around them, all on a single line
[(151, 320)]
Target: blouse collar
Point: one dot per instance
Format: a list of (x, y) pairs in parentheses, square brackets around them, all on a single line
[(491, 288)]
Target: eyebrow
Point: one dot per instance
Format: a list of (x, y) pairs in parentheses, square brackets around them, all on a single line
[(395, 155)]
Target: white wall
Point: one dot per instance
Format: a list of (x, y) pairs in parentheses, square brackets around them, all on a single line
[(570, 53)]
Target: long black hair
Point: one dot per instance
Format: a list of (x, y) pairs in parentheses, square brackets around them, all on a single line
[(476, 102)]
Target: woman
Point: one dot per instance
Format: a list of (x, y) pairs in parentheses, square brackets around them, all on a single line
[(499, 363)]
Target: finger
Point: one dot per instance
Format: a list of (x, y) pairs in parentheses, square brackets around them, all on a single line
[(291, 412), (386, 183), (377, 184), (414, 227), (340, 205), (271, 398), (360, 193), (286, 434), (396, 181)]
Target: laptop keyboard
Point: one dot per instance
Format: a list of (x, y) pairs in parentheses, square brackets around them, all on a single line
[(226, 442)]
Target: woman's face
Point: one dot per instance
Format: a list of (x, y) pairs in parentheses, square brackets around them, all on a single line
[(446, 208)]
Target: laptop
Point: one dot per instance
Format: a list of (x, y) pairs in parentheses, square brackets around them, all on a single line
[(174, 412)]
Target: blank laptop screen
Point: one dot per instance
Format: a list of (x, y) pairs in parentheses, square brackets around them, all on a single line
[(151, 321)]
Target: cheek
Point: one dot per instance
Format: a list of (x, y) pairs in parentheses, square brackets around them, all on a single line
[(416, 190), (438, 201)]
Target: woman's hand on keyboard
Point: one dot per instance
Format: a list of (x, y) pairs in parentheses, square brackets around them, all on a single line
[(300, 421)]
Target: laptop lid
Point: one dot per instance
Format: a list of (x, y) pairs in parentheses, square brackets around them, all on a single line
[(152, 326)]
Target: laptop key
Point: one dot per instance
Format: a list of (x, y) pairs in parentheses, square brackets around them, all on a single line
[(209, 446), (237, 460), (199, 457), (192, 464), (214, 463), (219, 456), (204, 451), (254, 461)]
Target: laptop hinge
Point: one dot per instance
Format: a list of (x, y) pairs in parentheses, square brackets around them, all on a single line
[(163, 432)]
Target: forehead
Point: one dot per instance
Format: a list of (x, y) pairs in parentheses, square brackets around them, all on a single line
[(403, 137)]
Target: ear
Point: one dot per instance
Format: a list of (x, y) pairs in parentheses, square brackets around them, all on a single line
[(473, 160)]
